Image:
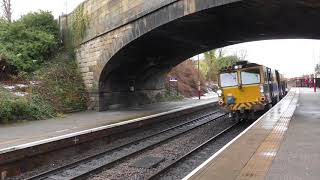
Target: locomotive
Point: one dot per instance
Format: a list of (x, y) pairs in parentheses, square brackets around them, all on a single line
[(248, 88)]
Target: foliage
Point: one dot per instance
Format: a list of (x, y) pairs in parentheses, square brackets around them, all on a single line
[(80, 22), (167, 97), (7, 10), (224, 62), (62, 84), (317, 68), (215, 61), (187, 76), (28, 46), (24, 44), (41, 21), (209, 65), (32, 107)]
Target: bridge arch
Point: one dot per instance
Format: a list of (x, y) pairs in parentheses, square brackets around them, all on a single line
[(140, 52)]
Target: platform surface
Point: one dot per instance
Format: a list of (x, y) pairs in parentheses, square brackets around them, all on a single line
[(283, 144), (299, 155), (12, 135)]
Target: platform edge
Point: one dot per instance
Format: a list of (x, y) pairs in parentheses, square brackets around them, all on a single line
[(232, 141)]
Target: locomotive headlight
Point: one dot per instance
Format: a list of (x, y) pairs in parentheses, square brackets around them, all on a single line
[(261, 89), (262, 99), (220, 102), (219, 92)]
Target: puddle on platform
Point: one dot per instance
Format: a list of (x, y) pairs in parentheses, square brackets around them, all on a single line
[(272, 153)]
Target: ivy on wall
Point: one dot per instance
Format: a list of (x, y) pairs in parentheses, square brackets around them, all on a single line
[(80, 21)]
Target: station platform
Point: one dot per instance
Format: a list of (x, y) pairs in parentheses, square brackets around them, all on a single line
[(282, 144), (21, 135)]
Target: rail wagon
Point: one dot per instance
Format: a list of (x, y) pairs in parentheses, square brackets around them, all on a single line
[(248, 88)]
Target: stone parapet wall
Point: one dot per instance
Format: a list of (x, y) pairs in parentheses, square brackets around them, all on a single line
[(108, 15)]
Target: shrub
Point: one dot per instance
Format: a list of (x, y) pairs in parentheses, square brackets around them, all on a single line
[(25, 44), (166, 97), (187, 76), (41, 21), (32, 107)]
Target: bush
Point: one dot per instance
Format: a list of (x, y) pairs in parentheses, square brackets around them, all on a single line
[(62, 84), (32, 107), (26, 44), (60, 90), (167, 97), (41, 21)]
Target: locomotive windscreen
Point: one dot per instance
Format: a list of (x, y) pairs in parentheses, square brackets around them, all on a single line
[(250, 76), (228, 79)]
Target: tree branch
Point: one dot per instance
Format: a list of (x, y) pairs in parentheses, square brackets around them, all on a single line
[(7, 11)]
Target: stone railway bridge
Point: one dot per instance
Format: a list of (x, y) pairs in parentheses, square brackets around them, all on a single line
[(130, 45)]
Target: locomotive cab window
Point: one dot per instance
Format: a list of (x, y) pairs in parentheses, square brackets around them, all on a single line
[(228, 79), (250, 76)]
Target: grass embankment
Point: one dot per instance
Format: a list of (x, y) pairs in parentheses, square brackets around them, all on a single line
[(61, 84), (31, 107), (59, 89)]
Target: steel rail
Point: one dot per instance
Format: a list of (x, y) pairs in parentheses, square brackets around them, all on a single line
[(84, 160), (198, 148)]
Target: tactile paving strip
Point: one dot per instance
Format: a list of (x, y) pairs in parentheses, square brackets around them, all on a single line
[(260, 162)]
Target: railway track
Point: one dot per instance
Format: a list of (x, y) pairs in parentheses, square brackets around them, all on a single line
[(86, 166), (191, 154)]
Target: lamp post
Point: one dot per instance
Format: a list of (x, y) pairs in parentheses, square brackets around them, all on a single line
[(199, 85), (314, 82), (66, 7)]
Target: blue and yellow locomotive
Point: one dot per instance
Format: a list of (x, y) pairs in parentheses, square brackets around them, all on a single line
[(247, 88)]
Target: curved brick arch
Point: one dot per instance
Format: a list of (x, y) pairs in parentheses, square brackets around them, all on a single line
[(140, 42)]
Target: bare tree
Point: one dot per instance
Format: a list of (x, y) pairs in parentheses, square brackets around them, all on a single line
[(242, 54), (7, 9), (220, 52), (317, 68)]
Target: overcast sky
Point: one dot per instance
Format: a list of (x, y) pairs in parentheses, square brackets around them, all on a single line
[(57, 7), (291, 57)]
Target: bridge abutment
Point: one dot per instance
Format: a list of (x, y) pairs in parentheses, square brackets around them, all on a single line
[(114, 100), (107, 71)]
